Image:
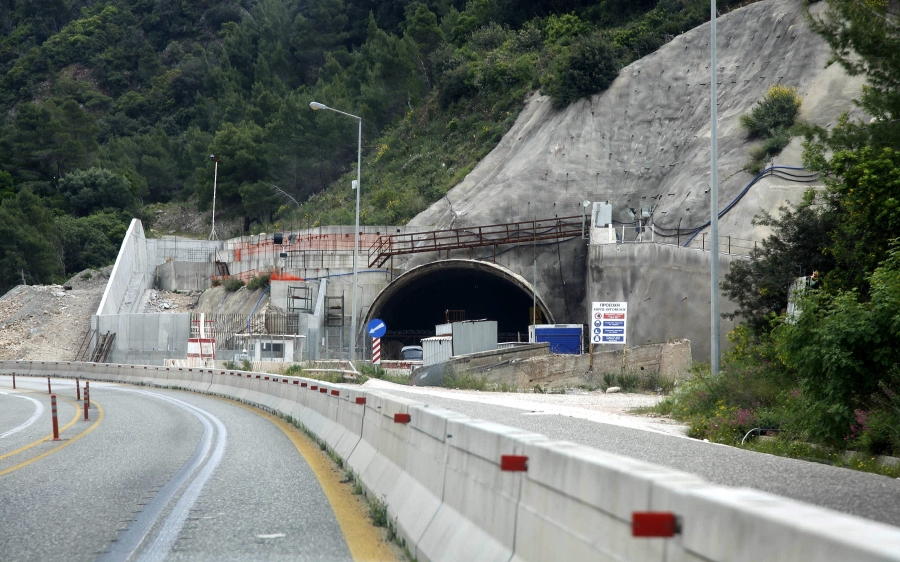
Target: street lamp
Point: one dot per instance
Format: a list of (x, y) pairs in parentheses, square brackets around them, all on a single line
[(317, 106), (212, 234), (715, 353)]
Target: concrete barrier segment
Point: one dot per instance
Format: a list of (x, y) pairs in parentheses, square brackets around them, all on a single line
[(741, 525), (551, 526), (610, 483)]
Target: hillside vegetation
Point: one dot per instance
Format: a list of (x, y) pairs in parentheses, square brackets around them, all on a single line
[(112, 105)]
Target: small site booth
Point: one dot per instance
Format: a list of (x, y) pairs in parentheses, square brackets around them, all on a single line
[(563, 338), (286, 348)]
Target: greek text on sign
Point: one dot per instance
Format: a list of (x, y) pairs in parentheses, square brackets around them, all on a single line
[(610, 321)]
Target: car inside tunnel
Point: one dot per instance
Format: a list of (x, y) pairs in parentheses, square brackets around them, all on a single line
[(440, 292)]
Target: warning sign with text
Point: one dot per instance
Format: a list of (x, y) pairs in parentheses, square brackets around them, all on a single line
[(609, 322)]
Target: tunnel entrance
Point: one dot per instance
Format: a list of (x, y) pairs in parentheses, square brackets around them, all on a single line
[(427, 295)]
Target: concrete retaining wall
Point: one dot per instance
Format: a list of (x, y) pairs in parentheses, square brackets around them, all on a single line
[(529, 365), (441, 479), (666, 301), (146, 339), (184, 276), (131, 274)]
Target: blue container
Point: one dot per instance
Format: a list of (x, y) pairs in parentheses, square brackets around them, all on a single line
[(563, 338)]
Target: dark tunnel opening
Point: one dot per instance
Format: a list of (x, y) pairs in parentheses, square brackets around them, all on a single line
[(415, 305)]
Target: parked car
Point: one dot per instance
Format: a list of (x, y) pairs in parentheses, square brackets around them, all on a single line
[(411, 353)]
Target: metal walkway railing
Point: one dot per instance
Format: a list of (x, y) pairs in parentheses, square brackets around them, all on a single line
[(388, 246)]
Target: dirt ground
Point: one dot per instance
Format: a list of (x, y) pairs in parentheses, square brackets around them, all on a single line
[(49, 322)]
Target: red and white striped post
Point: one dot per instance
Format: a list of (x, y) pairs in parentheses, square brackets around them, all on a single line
[(55, 420), (376, 351), (48, 385), (77, 390)]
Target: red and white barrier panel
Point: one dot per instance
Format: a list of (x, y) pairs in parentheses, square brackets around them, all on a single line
[(376, 351)]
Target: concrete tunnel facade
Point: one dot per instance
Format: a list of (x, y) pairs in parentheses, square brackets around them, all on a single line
[(413, 303)]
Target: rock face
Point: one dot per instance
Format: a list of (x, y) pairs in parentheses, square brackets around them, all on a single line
[(645, 141)]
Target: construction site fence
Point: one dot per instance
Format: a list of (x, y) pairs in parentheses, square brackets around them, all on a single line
[(225, 328)]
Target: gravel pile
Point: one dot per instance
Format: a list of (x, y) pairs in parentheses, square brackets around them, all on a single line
[(49, 322)]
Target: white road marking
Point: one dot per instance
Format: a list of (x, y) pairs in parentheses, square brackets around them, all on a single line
[(135, 542), (38, 410), (272, 536)]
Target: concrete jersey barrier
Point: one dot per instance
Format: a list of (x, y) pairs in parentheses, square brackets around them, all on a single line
[(443, 478)]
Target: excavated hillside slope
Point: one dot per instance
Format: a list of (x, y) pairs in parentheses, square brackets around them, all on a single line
[(646, 139)]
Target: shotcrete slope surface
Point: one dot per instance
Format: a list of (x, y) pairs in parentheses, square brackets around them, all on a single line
[(645, 141)]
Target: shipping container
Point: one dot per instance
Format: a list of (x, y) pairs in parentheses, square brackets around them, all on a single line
[(436, 350), (472, 336), (563, 338)]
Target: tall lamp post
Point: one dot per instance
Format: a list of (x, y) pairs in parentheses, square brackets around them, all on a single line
[(212, 234), (713, 199), (317, 106)]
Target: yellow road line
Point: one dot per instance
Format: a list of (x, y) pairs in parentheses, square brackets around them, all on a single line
[(43, 439), (363, 538), (60, 446)]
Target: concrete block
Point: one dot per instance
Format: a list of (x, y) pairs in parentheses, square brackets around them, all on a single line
[(613, 484), (488, 440), (481, 494), (552, 526), (451, 537), (738, 525)]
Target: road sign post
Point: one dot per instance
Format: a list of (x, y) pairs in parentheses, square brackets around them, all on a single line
[(376, 330)]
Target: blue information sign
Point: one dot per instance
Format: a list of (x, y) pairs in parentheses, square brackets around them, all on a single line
[(614, 339), (376, 328)]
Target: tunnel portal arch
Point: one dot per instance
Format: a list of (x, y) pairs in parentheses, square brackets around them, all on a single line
[(416, 301)]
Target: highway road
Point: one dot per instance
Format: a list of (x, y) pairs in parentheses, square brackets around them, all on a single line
[(167, 475), (863, 494)]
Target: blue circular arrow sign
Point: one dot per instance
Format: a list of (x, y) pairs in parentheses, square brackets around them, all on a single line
[(376, 328)]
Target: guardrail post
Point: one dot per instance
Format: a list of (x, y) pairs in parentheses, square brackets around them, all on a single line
[(48, 385), (55, 420), (14, 381)]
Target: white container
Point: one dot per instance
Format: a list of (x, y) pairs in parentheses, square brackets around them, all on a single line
[(436, 350)]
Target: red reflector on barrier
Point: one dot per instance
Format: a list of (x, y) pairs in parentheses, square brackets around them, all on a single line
[(401, 418), (514, 463), (296, 382), (323, 390), (303, 385), (335, 392), (654, 524), (360, 399), (267, 378), (284, 381), (314, 387)]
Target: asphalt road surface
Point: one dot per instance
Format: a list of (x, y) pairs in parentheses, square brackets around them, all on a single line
[(154, 475), (863, 494)]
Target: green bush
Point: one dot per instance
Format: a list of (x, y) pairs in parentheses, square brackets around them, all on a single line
[(774, 113), (231, 284), (844, 350), (771, 121), (589, 67), (259, 282)]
